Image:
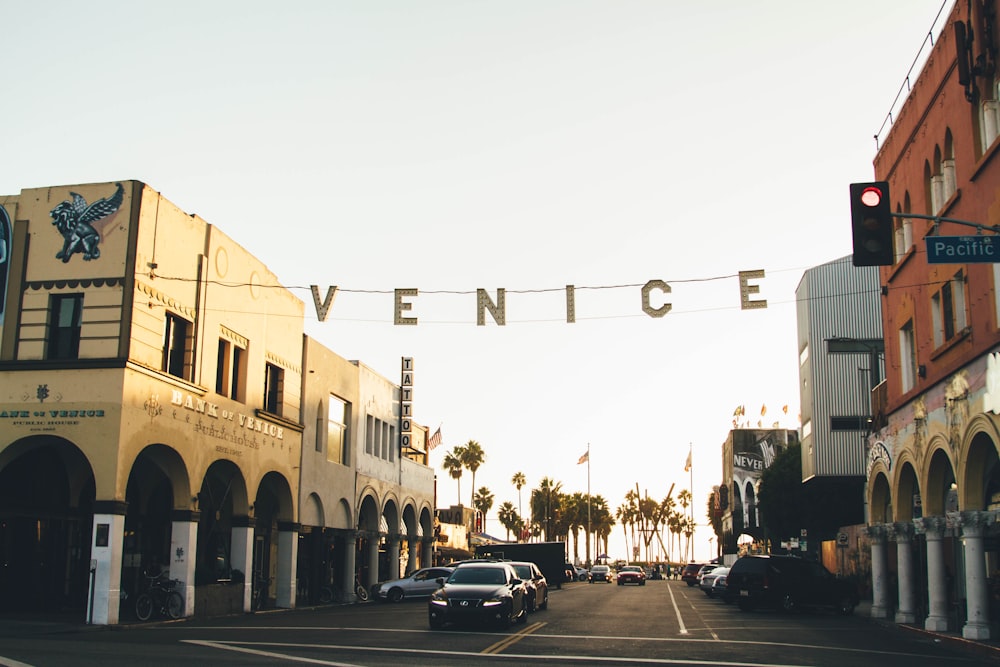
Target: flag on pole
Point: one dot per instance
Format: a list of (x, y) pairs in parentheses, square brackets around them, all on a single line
[(687, 464), (584, 458), (434, 440)]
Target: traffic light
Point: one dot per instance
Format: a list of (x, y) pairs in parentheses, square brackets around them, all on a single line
[(871, 221)]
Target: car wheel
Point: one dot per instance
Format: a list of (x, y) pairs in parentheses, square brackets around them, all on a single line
[(545, 601), (788, 603), (395, 595), (642, 583), (523, 617), (846, 606)]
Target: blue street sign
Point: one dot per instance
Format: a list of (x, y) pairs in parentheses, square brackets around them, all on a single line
[(962, 249)]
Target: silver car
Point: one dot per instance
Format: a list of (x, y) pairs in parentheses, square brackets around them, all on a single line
[(420, 584)]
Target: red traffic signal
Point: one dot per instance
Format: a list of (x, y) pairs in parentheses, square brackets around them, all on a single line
[(871, 223)]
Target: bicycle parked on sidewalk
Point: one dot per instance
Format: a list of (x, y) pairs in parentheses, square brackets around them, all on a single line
[(159, 597)]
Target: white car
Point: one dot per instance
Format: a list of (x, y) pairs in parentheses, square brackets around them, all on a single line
[(420, 583), (708, 580)]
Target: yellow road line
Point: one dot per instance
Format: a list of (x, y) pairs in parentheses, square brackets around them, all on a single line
[(513, 639)]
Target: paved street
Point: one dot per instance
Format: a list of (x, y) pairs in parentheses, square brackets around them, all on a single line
[(664, 622)]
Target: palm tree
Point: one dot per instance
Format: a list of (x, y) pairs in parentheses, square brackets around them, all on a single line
[(453, 464), (518, 480), (544, 504), (482, 500), (472, 456), (685, 499), (509, 518), (601, 521)]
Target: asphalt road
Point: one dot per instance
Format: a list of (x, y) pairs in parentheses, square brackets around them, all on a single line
[(662, 623)]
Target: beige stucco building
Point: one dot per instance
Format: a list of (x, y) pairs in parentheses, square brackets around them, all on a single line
[(152, 414)]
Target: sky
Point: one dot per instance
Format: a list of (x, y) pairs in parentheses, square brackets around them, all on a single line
[(450, 146)]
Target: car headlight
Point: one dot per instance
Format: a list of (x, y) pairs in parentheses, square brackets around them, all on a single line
[(439, 598), (492, 602)]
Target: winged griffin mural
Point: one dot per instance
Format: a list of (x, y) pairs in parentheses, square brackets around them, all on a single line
[(75, 220)]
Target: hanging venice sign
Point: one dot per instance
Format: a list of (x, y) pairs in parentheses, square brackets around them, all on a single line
[(651, 293)]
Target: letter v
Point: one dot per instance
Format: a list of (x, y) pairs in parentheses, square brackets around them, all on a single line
[(323, 309)]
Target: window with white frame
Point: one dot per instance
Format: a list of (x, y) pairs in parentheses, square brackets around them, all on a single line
[(948, 309), (907, 357), (65, 322), (274, 388), (338, 415), (178, 350), (230, 370), (996, 295)]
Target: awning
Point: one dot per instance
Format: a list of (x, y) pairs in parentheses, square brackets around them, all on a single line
[(453, 553)]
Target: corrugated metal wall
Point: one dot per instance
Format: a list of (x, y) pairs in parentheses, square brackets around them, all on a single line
[(836, 300)]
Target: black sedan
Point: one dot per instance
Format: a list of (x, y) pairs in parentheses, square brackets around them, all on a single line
[(482, 592), (535, 583)]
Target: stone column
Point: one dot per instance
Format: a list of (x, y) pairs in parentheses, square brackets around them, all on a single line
[(880, 571), (106, 562), (411, 555), (241, 554), (427, 558), (933, 527), (902, 534), (372, 559), (977, 625), (392, 550), (288, 558), (345, 581), (183, 547)]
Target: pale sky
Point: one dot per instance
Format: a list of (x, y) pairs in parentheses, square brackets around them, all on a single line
[(525, 145)]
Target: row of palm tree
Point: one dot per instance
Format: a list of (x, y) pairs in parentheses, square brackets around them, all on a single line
[(556, 515), (644, 520)]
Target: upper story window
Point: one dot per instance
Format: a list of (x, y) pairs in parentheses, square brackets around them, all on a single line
[(948, 309), (178, 351), (907, 357), (65, 320), (231, 370), (337, 419), (380, 438), (903, 229), (274, 388)]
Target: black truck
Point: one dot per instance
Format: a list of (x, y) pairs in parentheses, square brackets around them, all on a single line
[(550, 557)]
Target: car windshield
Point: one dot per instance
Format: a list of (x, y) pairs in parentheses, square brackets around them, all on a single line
[(478, 575), (523, 571), (631, 568)]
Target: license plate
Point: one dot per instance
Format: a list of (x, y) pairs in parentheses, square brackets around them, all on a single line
[(745, 594)]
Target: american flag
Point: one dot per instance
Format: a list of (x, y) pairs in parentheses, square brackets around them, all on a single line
[(434, 440)]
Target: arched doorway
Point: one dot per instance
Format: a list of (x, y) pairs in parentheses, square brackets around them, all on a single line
[(47, 493)]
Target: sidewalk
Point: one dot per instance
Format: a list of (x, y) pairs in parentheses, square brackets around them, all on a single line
[(989, 648)]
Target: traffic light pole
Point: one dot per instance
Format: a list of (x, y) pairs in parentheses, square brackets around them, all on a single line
[(938, 220)]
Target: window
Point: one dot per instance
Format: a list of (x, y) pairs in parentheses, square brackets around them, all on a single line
[(66, 315), (380, 438), (336, 431), (907, 357), (948, 310), (996, 295), (848, 423), (274, 381), (177, 351), (230, 371)]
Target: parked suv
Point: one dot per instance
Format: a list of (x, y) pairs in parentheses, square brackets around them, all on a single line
[(788, 582), (690, 573)]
